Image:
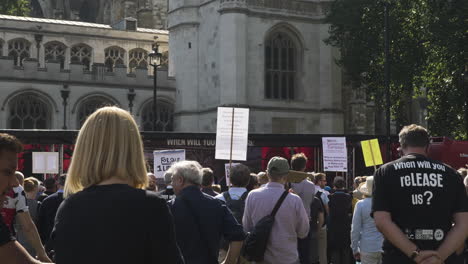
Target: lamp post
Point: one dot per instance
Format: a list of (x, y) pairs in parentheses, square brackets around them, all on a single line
[(155, 62), (131, 96), (65, 92)]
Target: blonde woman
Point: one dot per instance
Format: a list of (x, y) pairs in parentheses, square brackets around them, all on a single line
[(107, 217)]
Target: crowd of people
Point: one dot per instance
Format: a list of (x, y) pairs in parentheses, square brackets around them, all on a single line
[(109, 209)]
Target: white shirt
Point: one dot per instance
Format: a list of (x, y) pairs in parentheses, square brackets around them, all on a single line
[(234, 192)]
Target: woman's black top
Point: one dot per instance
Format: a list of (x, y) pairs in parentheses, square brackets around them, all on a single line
[(114, 224)]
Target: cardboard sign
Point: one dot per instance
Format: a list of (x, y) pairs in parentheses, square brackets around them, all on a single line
[(371, 152), (227, 172), (163, 160), (335, 155), (232, 131), (45, 162)]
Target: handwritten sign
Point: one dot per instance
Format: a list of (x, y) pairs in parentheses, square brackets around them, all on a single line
[(371, 152), (45, 162), (163, 160), (232, 135), (335, 155)]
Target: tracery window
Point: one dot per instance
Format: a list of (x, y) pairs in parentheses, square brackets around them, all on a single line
[(113, 56), (19, 49), (280, 67), (165, 116), (55, 51), (82, 53), (90, 105), (138, 58), (28, 111)]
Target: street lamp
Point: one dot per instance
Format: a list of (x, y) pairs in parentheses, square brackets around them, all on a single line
[(65, 92), (155, 62)]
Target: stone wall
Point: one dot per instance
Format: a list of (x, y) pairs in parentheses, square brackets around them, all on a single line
[(220, 61)]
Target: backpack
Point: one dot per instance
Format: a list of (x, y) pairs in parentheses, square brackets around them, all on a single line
[(236, 206), (256, 241), (325, 215)]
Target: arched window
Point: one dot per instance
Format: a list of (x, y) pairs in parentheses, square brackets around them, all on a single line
[(165, 116), (280, 66), (19, 49), (1, 47), (55, 51), (28, 111), (90, 105), (138, 58), (82, 53), (114, 56)]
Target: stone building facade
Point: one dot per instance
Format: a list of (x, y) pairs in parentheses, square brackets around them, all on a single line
[(268, 56), (54, 73), (149, 13), (265, 55)]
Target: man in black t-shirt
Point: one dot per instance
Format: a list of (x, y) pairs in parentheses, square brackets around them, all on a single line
[(420, 205), (11, 252)]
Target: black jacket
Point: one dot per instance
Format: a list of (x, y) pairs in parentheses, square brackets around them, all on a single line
[(47, 213)]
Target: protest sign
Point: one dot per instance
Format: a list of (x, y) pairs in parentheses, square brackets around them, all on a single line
[(371, 152), (232, 132), (335, 155), (45, 162), (163, 160)]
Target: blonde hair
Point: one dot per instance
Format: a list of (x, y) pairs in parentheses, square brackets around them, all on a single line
[(108, 145), (30, 184)]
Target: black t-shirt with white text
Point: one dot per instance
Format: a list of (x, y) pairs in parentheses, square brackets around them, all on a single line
[(422, 195)]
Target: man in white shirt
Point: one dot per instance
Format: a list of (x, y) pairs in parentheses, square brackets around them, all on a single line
[(239, 178), (235, 197)]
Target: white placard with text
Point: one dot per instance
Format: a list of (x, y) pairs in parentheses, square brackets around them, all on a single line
[(45, 162), (238, 130), (335, 155), (163, 160)]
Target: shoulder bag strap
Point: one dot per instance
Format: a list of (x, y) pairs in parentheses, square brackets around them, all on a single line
[(202, 237), (244, 196), (227, 196), (278, 204)]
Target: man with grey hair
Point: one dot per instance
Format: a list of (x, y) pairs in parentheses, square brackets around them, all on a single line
[(201, 220), (291, 220)]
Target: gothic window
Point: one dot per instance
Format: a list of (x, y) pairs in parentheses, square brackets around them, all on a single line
[(280, 67), (90, 105), (81, 53), (19, 49), (165, 117), (113, 56), (28, 111), (138, 58), (55, 51)]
